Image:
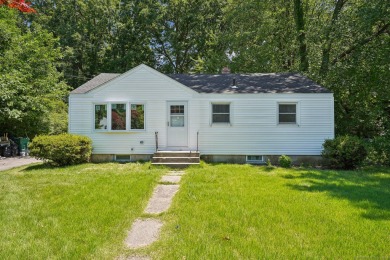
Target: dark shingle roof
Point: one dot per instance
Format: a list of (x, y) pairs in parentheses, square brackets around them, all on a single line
[(223, 83), (249, 83), (95, 82)]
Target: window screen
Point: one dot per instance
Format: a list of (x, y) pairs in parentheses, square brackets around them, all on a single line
[(221, 113), (287, 113)]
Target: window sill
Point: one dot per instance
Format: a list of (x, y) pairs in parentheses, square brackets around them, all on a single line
[(221, 124), (120, 131), (288, 124), (256, 162)]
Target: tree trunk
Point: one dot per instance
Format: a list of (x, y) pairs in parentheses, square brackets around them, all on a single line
[(327, 46), (301, 35)]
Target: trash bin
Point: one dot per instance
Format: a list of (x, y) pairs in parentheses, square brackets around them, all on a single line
[(22, 145)]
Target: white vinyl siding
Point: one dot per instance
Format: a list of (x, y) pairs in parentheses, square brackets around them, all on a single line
[(255, 129)]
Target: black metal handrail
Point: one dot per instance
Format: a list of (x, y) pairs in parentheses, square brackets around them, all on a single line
[(156, 137), (197, 141)]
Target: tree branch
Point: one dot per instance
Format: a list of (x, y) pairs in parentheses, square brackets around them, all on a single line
[(327, 46), (363, 42)]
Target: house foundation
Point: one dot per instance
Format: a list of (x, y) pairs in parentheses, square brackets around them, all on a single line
[(309, 160)]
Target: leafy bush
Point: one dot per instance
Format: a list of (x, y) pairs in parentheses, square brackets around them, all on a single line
[(62, 149), (285, 161), (344, 152), (269, 163), (379, 151)]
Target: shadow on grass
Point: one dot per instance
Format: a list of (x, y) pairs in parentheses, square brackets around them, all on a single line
[(45, 166), (268, 168), (42, 166), (368, 189)]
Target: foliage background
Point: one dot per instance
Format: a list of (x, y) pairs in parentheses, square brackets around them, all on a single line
[(342, 44)]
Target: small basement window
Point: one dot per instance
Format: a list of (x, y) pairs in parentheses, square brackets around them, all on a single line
[(254, 159), (122, 157)]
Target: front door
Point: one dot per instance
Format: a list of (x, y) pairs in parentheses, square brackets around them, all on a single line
[(177, 125)]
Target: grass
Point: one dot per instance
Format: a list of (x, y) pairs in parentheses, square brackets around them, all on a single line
[(220, 212), (247, 212), (78, 212)]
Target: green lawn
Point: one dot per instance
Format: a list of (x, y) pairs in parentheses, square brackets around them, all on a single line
[(71, 213), (247, 212), (220, 212)]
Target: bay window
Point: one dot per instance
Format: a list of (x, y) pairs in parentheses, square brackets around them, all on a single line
[(123, 116)]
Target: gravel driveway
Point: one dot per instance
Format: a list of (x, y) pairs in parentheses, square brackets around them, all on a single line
[(11, 162)]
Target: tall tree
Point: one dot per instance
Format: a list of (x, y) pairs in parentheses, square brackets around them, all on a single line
[(130, 40), (261, 35), (184, 31), (84, 30), (328, 38), (98, 36), (29, 80), (301, 34)]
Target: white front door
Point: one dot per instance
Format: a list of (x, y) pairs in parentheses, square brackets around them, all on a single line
[(177, 125)]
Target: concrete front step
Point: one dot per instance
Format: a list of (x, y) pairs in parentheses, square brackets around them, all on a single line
[(176, 154), (176, 159), (176, 165)]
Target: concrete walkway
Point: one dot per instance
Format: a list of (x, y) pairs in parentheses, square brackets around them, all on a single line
[(161, 199), (142, 232), (12, 162), (146, 231)]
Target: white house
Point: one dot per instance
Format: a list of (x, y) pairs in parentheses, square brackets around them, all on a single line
[(226, 117)]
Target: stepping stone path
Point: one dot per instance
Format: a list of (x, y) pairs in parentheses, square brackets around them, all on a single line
[(143, 232), (161, 199), (146, 231), (171, 179)]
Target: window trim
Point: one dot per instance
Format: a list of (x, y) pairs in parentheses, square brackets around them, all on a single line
[(230, 112), (296, 103)]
